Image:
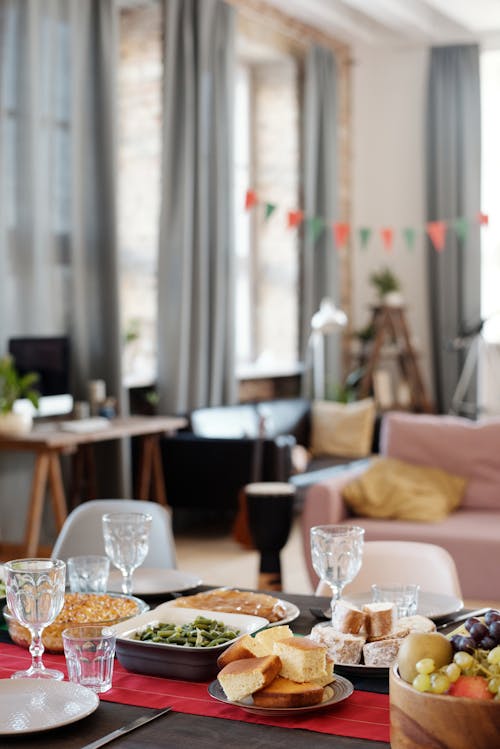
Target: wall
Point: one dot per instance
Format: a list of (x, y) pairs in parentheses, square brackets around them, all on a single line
[(388, 179)]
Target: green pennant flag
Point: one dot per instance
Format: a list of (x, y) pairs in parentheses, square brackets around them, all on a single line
[(409, 234), (269, 210), (364, 235), (316, 225), (461, 226)]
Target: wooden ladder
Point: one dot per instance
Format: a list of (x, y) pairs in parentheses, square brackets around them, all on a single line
[(390, 323)]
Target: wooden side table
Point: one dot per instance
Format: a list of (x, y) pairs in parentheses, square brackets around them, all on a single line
[(48, 442)]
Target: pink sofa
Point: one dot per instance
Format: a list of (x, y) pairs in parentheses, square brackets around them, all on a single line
[(471, 534)]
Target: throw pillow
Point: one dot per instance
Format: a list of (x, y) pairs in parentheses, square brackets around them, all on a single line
[(344, 429), (391, 488)]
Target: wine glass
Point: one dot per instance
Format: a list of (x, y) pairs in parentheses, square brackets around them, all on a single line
[(35, 595), (336, 552), (126, 541)]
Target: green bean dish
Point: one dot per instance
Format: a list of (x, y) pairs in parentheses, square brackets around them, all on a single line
[(201, 633)]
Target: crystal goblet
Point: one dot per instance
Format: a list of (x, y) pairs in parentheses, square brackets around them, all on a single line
[(35, 595), (126, 541), (337, 552)]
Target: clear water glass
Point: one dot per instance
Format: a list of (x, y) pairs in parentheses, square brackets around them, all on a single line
[(90, 653), (88, 574), (404, 597), (337, 552), (126, 542), (35, 596)]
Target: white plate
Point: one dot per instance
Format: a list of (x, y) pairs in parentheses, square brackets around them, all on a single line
[(28, 705), (335, 692), (432, 605), (150, 581)]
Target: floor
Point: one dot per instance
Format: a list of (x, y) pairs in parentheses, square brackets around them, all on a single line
[(218, 559)]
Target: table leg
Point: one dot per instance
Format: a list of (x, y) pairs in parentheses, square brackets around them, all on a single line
[(158, 475), (57, 494), (34, 517), (145, 468)]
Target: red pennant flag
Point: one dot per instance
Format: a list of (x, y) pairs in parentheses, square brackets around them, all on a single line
[(250, 199), (387, 235), (341, 234), (483, 219), (295, 218), (437, 234)]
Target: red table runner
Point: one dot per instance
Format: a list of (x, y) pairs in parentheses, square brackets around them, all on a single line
[(363, 715)]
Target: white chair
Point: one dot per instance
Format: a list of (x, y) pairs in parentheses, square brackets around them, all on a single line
[(427, 565), (82, 531)]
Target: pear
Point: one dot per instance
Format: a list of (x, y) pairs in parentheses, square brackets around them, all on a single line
[(418, 645)]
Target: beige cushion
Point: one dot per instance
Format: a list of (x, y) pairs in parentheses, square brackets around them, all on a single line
[(344, 429), (390, 488)]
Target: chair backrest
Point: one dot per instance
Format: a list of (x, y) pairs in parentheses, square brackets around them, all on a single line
[(82, 531), (427, 565)]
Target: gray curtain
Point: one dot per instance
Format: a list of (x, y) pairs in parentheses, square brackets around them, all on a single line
[(453, 191), (58, 261), (195, 271), (319, 260)]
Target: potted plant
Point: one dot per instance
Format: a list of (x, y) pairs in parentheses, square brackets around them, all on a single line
[(388, 287), (13, 386)]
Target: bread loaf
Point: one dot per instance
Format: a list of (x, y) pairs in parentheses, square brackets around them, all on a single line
[(302, 659), (242, 648), (381, 652), (341, 647), (416, 623), (241, 678), (286, 693), (348, 618), (380, 618)]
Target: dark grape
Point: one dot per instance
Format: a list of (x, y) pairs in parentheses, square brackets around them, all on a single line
[(491, 616), (487, 643), (478, 631), (470, 622), (460, 642), (494, 630)]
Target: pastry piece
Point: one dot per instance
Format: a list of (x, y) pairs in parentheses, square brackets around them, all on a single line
[(398, 631), (328, 677), (265, 639), (286, 693), (380, 618), (237, 651), (381, 652), (242, 678), (342, 647), (302, 659), (235, 601), (348, 618), (416, 623)]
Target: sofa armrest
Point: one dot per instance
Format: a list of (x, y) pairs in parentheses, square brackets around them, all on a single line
[(324, 505)]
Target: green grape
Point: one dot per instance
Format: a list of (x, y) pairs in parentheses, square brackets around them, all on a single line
[(422, 682), (463, 660), (494, 685), (425, 666), (494, 656), (452, 671), (440, 683)]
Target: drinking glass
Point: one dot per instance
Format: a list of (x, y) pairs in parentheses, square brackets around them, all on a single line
[(336, 552), (35, 595), (126, 541)]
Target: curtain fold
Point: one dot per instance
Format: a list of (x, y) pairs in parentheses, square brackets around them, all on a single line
[(58, 253), (320, 267), (195, 265), (453, 191)]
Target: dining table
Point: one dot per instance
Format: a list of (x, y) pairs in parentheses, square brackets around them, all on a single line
[(179, 729)]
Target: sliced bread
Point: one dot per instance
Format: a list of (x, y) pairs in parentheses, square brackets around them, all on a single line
[(241, 678), (302, 659), (286, 693)]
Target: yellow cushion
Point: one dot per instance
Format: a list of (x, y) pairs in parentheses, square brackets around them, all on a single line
[(391, 488), (344, 429)]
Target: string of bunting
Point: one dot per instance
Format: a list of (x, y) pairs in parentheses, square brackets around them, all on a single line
[(342, 231)]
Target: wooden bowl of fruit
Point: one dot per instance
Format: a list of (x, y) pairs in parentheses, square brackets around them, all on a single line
[(445, 690)]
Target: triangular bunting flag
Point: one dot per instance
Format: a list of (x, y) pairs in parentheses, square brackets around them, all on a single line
[(437, 234), (461, 226), (295, 218), (341, 234), (364, 236), (409, 234), (315, 225), (269, 210), (387, 235), (250, 199), (482, 219)]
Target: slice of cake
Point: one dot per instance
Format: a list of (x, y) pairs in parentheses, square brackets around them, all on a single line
[(342, 647), (265, 639), (380, 618), (286, 693), (302, 659), (348, 618), (381, 652), (241, 678), (242, 648), (416, 623)]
